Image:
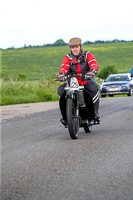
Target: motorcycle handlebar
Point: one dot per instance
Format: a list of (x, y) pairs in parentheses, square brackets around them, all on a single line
[(87, 77)]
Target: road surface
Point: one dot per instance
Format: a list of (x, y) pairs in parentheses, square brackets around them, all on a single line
[(41, 162)]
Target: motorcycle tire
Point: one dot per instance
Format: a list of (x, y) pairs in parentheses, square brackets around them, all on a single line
[(72, 119), (87, 128)]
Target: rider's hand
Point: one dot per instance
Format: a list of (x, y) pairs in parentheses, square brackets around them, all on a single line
[(61, 77), (92, 72)]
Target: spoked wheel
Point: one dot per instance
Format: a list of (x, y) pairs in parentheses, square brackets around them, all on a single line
[(87, 128), (72, 119)]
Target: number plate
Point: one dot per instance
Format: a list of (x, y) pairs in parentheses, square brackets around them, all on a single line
[(113, 89)]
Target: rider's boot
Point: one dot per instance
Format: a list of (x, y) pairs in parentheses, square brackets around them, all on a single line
[(63, 122), (97, 116), (96, 113), (96, 108)]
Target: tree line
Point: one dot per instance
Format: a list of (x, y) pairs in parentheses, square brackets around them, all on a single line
[(60, 42)]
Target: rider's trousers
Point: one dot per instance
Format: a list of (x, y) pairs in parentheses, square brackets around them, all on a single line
[(91, 87)]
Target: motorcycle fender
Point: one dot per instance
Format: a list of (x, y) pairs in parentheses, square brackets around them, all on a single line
[(70, 95)]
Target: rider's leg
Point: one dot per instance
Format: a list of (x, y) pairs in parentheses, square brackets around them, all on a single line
[(61, 89), (62, 104), (93, 89)]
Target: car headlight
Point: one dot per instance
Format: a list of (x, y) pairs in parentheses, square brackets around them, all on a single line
[(125, 86), (102, 86)]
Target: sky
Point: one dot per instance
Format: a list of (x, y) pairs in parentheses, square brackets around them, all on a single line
[(39, 22)]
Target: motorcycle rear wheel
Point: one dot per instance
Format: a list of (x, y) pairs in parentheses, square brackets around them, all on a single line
[(72, 119)]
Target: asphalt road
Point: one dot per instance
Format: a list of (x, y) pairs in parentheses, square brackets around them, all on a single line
[(41, 162)]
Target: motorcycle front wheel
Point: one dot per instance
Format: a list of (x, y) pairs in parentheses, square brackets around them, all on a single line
[(72, 119)]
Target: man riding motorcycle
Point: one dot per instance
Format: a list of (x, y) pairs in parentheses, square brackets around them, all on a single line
[(80, 62)]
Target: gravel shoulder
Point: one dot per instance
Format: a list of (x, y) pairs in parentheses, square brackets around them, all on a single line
[(11, 111)]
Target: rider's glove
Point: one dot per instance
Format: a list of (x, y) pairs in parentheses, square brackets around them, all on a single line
[(92, 72), (61, 77)]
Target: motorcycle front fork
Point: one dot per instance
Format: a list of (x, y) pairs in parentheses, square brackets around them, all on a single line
[(77, 104)]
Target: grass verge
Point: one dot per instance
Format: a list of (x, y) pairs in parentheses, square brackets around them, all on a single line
[(19, 92)]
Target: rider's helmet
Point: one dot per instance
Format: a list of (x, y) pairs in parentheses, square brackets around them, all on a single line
[(75, 42)]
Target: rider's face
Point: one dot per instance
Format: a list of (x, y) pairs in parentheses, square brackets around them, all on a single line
[(75, 50)]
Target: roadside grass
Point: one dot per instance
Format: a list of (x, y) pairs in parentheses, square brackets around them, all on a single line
[(19, 92)]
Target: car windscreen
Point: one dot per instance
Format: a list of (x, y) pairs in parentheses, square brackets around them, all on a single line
[(117, 78)]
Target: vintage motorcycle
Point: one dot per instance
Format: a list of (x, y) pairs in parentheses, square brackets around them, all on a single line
[(76, 106)]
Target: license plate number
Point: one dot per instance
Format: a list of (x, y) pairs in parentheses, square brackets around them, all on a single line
[(113, 89)]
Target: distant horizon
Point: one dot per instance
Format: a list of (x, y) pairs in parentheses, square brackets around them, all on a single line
[(51, 44)]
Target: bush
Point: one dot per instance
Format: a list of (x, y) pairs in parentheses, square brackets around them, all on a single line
[(106, 71), (21, 77)]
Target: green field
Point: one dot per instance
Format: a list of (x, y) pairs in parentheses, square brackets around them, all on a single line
[(45, 62), (40, 65)]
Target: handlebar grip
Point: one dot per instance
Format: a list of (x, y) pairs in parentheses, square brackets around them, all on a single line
[(89, 76), (60, 80)]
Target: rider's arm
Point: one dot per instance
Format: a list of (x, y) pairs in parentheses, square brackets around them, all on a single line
[(92, 62), (65, 65)]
